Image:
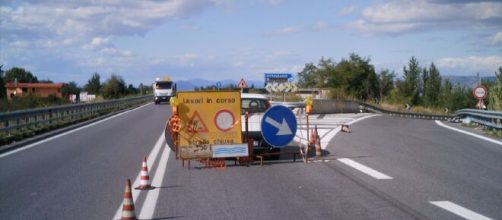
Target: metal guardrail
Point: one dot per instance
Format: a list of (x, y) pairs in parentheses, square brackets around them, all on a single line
[(491, 119), (347, 106), (22, 123), (365, 106), (290, 104)]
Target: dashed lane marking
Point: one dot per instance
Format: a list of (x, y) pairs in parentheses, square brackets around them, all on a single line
[(365, 169), (459, 210)]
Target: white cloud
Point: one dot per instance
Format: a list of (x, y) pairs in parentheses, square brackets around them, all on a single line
[(81, 33), (97, 42), (474, 63), (89, 24), (275, 2), (351, 10), (398, 17), (497, 39), (317, 27), (289, 30)]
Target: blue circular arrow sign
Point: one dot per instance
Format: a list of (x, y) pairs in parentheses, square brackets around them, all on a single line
[(278, 126)]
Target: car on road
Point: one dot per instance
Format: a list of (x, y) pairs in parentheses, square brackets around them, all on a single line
[(255, 105)]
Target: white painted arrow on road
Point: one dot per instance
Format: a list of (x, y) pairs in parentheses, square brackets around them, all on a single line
[(283, 127)]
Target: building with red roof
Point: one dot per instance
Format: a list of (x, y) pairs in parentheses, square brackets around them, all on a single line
[(36, 89)]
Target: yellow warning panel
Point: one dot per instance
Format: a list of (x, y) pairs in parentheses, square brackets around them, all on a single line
[(209, 117)]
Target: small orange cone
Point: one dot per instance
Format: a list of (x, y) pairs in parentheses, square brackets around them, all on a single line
[(312, 137), (128, 204), (144, 183), (317, 143)]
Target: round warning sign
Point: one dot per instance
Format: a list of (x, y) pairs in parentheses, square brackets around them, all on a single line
[(480, 92), (224, 120)]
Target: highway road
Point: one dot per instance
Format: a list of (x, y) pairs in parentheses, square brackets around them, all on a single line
[(387, 168)]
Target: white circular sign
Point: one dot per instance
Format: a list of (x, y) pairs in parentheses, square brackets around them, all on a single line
[(480, 92), (224, 120)]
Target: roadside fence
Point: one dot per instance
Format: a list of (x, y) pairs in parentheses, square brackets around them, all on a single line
[(21, 124)]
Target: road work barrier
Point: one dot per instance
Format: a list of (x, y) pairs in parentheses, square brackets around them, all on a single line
[(18, 125), (206, 126)]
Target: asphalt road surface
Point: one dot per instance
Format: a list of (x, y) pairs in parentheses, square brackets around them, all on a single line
[(387, 168)]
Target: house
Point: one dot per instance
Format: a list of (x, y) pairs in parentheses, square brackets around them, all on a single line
[(36, 89)]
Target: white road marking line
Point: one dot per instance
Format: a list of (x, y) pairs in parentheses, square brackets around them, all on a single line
[(469, 133), (369, 171), (150, 160), (332, 134), (68, 132), (151, 199), (459, 210), (326, 133)]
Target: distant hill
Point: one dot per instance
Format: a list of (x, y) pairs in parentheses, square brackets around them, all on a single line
[(190, 85), (468, 81)]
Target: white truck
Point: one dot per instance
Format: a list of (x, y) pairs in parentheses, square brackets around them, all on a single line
[(163, 90)]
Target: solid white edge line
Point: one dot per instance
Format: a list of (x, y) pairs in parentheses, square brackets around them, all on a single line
[(469, 133), (68, 132), (367, 170), (150, 160), (152, 197), (459, 210)]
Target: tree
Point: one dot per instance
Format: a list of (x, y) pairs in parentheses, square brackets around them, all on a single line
[(114, 88), (306, 78), (423, 84), (357, 77), (385, 82), (2, 84), (70, 88), (433, 86), (455, 97), (131, 89), (21, 75), (45, 81), (495, 92), (93, 85), (446, 93), (411, 84)]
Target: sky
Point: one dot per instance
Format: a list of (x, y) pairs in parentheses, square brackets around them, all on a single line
[(70, 40)]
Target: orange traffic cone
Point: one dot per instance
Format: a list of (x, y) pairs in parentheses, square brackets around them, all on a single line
[(312, 137), (128, 204), (144, 183), (317, 143)]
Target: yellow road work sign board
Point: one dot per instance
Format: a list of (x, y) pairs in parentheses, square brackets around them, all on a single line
[(209, 118)]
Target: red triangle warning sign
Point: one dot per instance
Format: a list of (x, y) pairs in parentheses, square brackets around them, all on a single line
[(242, 84), (196, 124)]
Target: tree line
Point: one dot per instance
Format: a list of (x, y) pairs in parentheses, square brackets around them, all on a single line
[(356, 78), (112, 88)]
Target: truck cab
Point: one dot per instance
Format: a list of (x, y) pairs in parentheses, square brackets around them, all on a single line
[(163, 90)]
